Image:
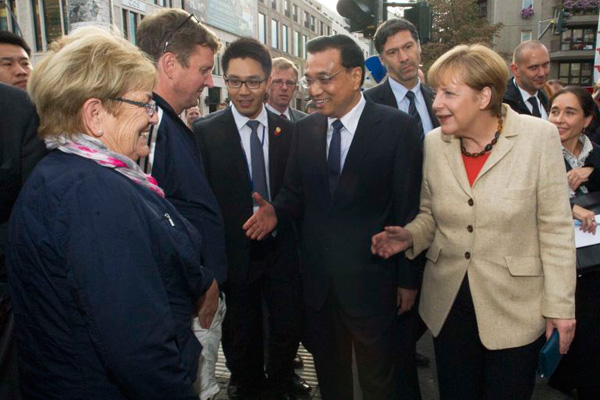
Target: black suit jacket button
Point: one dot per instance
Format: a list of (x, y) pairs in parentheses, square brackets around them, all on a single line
[(468, 255), (470, 228), (471, 202)]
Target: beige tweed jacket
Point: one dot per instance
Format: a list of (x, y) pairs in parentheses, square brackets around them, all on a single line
[(511, 233)]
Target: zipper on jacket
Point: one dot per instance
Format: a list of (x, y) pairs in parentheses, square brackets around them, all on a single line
[(168, 217)]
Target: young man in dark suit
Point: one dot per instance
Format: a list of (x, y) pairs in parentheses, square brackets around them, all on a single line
[(244, 149), (399, 49), (354, 167)]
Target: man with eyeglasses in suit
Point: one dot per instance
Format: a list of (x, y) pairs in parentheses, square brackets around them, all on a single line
[(280, 93), (245, 149)]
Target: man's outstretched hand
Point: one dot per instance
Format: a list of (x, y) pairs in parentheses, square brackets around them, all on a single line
[(263, 221)]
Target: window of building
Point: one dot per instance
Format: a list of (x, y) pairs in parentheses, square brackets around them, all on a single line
[(130, 22), (7, 10), (262, 28), (526, 35), (274, 34), (164, 3), (576, 73), (578, 39), (306, 19), (297, 44), (54, 22), (328, 31), (284, 38), (482, 7), (322, 30), (304, 46), (286, 8), (312, 23), (295, 13), (274, 4)]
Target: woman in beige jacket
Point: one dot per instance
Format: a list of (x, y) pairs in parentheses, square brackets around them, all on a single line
[(496, 221)]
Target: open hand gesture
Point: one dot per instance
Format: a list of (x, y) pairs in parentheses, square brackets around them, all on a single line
[(392, 240)]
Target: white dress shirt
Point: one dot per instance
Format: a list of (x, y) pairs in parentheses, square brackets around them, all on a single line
[(350, 122), (525, 95), (400, 91), (276, 111), (263, 135)]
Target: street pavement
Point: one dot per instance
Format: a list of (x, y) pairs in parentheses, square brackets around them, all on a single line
[(427, 377)]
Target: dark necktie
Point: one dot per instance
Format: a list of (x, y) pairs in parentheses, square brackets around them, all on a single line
[(412, 110), (257, 161), (282, 115), (536, 109), (334, 160)]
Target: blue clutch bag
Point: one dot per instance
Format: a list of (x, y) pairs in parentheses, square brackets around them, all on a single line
[(549, 356)]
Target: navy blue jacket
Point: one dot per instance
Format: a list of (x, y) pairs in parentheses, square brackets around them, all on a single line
[(176, 165), (103, 275)]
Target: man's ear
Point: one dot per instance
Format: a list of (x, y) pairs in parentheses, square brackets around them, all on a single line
[(167, 63)]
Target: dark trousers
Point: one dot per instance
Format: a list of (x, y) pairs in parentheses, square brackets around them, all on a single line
[(243, 336), (330, 336), (469, 371), (411, 329)]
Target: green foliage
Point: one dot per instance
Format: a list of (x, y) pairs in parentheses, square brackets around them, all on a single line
[(456, 22)]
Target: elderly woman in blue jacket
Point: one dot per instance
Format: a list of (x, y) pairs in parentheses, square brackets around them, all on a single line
[(104, 273)]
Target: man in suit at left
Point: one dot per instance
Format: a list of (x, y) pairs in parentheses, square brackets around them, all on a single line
[(399, 49), (280, 93), (245, 149), (20, 150)]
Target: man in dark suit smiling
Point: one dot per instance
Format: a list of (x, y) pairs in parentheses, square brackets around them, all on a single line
[(354, 167), (244, 149)]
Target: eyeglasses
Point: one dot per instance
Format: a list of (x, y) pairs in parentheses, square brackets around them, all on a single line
[(307, 82), (167, 36), (281, 82), (237, 83), (150, 106)]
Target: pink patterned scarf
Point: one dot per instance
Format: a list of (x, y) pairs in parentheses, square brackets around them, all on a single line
[(89, 147)]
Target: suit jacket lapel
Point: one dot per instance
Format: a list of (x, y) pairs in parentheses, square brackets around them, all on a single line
[(274, 151), (389, 98), (428, 96), (233, 147), (457, 166), (502, 147), (366, 134)]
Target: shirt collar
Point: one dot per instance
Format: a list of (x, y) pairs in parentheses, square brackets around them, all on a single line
[(525, 94), (240, 120), (276, 111), (350, 120), (400, 90)]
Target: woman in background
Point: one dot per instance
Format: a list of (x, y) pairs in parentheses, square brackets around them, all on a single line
[(572, 110)]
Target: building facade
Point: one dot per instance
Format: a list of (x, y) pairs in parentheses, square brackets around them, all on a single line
[(285, 26), (571, 52)]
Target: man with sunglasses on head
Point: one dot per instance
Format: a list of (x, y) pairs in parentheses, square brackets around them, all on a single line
[(280, 94), (354, 168), (245, 149), (183, 51)]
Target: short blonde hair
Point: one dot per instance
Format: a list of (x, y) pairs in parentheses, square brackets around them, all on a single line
[(282, 63), (478, 67), (89, 63)]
